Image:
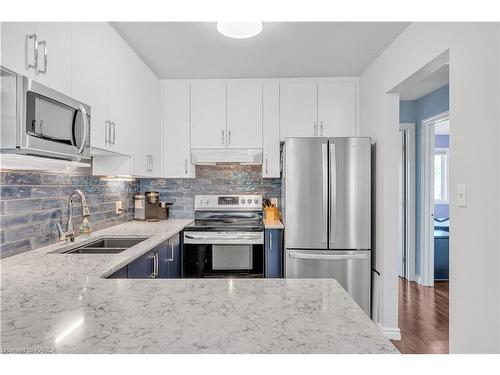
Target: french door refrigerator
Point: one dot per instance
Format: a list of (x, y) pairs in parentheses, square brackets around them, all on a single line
[(326, 192)]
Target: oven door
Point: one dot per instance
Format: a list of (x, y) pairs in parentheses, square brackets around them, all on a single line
[(54, 125), (219, 254)]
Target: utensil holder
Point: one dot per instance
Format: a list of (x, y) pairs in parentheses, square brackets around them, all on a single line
[(271, 213)]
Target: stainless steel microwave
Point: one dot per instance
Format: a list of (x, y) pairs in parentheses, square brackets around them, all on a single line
[(37, 120)]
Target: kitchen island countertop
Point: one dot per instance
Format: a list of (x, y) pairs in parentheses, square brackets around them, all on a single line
[(62, 303)]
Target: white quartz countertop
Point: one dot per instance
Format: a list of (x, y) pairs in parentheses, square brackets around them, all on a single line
[(62, 303)]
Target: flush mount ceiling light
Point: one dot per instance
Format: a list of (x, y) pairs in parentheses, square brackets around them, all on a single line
[(239, 30)]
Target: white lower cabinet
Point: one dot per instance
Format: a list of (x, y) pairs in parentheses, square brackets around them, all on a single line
[(176, 158), (271, 130)]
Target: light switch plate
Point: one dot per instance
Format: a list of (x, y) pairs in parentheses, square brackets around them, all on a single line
[(462, 195)]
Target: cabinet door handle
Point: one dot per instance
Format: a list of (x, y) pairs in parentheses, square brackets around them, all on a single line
[(147, 163), (44, 71), (185, 166), (152, 259), (270, 243), (172, 252), (151, 163), (321, 128), (315, 128), (106, 132), (114, 132), (222, 136), (266, 166), (229, 136), (35, 51)]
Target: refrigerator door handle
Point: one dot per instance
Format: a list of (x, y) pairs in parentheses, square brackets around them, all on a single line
[(325, 191), (333, 188), (327, 256)]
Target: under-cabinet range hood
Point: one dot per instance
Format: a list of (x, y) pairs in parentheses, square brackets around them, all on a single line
[(251, 156)]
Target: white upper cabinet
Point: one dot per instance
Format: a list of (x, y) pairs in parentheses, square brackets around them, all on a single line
[(90, 75), (54, 55), (318, 107), (145, 121), (244, 114), (337, 109), (121, 99), (18, 51), (298, 108), (271, 130), (176, 158), (41, 51), (208, 114)]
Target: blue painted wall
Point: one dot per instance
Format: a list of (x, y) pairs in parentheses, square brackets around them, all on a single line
[(415, 112)]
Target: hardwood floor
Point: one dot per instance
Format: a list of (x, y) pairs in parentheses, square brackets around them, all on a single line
[(423, 318)]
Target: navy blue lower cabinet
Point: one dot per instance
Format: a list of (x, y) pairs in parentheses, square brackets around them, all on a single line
[(273, 240), (145, 266), (122, 273), (175, 264)]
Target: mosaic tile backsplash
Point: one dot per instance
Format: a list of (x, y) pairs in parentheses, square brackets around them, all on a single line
[(226, 179), (32, 203)]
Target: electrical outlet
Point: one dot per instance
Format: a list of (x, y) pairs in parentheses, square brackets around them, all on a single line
[(119, 207)]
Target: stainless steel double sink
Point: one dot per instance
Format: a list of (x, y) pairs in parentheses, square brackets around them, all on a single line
[(104, 245)]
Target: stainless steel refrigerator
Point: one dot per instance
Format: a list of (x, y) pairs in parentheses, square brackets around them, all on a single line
[(326, 192)]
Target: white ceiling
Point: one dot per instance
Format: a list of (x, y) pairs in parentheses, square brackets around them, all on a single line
[(283, 49), (428, 84)]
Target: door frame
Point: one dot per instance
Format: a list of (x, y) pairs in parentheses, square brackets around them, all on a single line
[(427, 218), (411, 184)]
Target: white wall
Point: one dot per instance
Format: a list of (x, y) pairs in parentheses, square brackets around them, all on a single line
[(474, 160)]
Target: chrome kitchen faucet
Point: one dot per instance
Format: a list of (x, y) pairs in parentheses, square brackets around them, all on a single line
[(85, 228)]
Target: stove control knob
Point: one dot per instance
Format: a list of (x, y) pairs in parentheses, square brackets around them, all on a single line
[(206, 201), (255, 201), (242, 201), (249, 200), (201, 201)]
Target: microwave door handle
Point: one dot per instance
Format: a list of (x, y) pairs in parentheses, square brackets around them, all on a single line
[(85, 128)]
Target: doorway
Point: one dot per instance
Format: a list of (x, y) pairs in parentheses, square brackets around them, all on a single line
[(423, 170)]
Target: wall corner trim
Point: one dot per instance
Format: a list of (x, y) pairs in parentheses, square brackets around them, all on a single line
[(392, 333)]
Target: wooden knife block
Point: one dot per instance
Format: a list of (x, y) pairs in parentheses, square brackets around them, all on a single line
[(271, 213)]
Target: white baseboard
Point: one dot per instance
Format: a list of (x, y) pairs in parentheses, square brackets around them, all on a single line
[(390, 333)]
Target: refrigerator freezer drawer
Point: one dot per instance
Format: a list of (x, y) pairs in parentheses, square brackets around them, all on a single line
[(352, 269)]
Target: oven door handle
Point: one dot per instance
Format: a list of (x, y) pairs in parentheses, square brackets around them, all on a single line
[(224, 237)]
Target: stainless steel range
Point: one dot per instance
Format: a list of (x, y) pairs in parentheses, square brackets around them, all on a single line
[(226, 238)]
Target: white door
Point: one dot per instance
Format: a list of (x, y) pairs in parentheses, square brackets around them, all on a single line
[(298, 109), (271, 130), (144, 131), (17, 52), (337, 109), (175, 130), (244, 114), (54, 57), (89, 58), (121, 105), (208, 114)]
